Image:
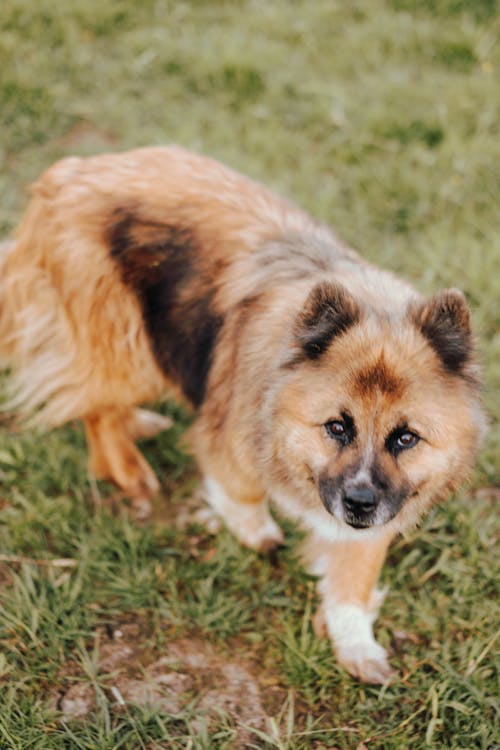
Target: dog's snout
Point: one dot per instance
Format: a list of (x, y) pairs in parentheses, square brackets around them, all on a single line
[(361, 498)]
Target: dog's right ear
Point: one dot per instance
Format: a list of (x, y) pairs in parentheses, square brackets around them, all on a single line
[(328, 312)]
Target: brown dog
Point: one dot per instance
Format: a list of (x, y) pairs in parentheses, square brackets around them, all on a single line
[(319, 381)]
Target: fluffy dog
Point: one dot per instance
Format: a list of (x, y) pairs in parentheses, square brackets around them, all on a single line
[(319, 382)]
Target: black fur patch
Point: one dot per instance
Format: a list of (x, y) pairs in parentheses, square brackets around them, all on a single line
[(380, 480), (328, 312), (445, 322), (328, 488), (160, 263)]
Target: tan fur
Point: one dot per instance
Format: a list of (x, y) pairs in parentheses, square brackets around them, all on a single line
[(74, 289)]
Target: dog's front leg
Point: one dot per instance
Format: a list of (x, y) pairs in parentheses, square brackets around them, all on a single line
[(348, 572), (248, 518)]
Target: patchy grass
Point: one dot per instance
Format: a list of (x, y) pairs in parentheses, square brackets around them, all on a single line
[(381, 117)]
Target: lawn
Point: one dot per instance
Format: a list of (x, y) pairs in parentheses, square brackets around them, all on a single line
[(382, 118)]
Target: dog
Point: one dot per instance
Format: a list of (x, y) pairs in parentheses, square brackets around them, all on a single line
[(319, 382)]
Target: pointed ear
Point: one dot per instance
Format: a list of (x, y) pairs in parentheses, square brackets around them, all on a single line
[(328, 312), (444, 320)]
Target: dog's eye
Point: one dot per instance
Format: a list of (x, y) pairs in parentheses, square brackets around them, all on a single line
[(407, 440), (341, 430), (335, 429), (401, 440)]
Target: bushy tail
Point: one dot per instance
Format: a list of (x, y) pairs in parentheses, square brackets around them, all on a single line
[(6, 247), (32, 328)]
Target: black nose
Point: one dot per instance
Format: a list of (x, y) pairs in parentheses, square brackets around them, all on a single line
[(359, 499)]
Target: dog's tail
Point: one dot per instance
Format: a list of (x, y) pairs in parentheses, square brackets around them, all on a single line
[(36, 342), (7, 247)]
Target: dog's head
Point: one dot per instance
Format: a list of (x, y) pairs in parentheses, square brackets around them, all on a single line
[(379, 414)]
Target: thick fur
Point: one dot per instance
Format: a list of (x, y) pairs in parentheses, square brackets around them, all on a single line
[(319, 381)]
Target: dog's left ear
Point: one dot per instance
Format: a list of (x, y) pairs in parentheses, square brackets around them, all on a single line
[(444, 320)]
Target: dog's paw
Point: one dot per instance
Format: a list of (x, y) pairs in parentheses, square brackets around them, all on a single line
[(140, 508), (264, 537), (367, 661), (251, 523), (207, 517), (143, 424), (350, 628)]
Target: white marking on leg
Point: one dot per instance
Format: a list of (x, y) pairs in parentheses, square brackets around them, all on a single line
[(251, 523), (350, 628)]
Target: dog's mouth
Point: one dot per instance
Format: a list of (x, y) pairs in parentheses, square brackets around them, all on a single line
[(360, 523), (379, 517)]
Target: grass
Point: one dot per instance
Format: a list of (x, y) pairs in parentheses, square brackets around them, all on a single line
[(381, 117)]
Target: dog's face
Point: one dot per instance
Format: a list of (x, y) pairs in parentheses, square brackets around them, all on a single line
[(378, 417)]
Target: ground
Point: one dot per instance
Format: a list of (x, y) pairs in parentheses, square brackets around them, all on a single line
[(382, 118)]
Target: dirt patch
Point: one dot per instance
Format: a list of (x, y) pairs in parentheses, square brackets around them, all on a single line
[(188, 670)]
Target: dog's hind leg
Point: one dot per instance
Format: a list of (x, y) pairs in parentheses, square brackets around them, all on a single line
[(113, 455)]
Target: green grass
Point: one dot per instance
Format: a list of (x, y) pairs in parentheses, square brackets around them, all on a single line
[(380, 117)]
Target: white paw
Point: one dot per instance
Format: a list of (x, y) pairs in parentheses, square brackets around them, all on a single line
[(263, 537), (350, 628), (144, 424), (367, 661), (141, 508), (208, 518), (251, 523)]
